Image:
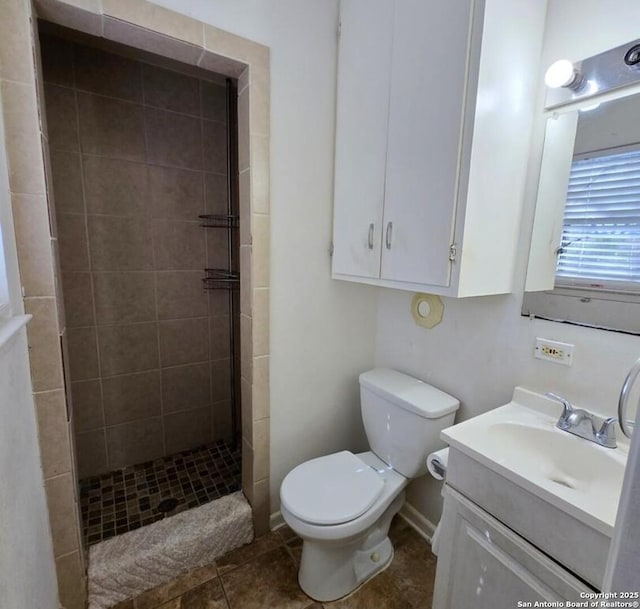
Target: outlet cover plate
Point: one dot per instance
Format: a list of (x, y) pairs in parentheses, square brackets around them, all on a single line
[(554, 351)]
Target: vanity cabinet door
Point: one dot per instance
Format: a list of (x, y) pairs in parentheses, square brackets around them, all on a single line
[(364, 72), (483, 564)]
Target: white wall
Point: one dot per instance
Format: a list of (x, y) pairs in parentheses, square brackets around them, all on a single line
[(483, 348), (322, 331), (27, 569)]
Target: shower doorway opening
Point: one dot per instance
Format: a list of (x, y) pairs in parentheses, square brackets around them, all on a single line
[(144, 169)]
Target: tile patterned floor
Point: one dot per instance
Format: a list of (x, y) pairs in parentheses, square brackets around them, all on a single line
[(263, 575), (127, 499)]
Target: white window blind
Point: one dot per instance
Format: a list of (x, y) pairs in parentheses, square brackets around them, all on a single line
[(601, 235)]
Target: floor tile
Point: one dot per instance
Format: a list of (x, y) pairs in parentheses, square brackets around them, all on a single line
[(246, 553), (382, 592), (413, 566), (206, 596), (269, 581), (152, 598)]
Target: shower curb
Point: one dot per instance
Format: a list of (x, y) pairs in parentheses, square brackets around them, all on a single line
[(126, 566)]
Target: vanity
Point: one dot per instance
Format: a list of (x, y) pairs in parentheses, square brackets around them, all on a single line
[(529, 509)]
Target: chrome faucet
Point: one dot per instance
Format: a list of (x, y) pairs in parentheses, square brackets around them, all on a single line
[(584, 424)]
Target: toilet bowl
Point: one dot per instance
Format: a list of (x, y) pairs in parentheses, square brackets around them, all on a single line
[(342, 504)]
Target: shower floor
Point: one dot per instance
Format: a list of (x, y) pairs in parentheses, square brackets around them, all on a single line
[(126, 499)]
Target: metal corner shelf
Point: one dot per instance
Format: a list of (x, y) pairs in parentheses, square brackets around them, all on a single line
[(221, 279), (219, 221)]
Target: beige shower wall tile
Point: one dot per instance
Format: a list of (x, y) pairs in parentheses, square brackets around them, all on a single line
[(67, 181), (131, 397), (44, 344), (260, 395), (246, 295), (15, 51), (128, 348), (87, 405), (91, 453), (247, 470), (220, 380), (83, 353), (260, 445), (184, 341), (173, 139), (261, 506), (260, 102), (62, 130), (260, 174), (184, 430), (235, 47), (260, 325), (178, 245), (124, 297), (105, 73), (148, 40), (214, 101), (53, 432), (134, 442), (120, 244), (22, 138), (244, 137), (176, 193), (62, 514), (33, 241), (180, 294), (244, 196), (57, 60), (111, 127), (260, 250), (156, 18), (171, 90), (71, 583), (78, 299), (81, 15), (115, 187), (72, 242), (186, 387)]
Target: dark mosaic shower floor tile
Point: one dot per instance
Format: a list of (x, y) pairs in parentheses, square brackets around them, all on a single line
[(127, 499)]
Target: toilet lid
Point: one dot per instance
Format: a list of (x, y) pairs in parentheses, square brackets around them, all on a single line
[(332, 489)]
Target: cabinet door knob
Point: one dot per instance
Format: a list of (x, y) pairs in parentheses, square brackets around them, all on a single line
[(388, 235), (371, 227)]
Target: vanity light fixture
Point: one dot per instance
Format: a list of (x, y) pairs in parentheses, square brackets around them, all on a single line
[(562, 73)]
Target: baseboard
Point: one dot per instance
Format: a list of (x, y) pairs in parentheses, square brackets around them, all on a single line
[(416, 520), (276, 520)]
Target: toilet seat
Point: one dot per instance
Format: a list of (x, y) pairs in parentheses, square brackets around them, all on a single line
[(331, 490)]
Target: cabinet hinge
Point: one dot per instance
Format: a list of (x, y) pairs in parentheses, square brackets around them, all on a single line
[(339, 28), (453, 252), (331, 249)]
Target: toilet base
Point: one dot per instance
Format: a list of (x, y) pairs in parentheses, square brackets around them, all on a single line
[(330, 570)]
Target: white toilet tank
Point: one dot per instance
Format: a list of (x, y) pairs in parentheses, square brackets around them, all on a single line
[(403, 418)]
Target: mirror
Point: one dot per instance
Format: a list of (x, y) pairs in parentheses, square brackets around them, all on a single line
[(584, 264)]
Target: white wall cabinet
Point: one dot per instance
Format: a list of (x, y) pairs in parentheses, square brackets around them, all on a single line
[(434, 111), (485, 565)]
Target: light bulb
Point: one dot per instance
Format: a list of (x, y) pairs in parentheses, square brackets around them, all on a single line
[(561, 74)]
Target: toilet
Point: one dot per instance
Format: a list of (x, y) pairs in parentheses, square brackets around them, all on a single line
[(342, 504)]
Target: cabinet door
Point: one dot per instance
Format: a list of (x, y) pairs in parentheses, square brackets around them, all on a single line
[(364, 64), (485, 565), (429, 72)]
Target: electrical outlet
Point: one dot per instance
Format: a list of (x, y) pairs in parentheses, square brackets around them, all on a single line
[(554, 351)]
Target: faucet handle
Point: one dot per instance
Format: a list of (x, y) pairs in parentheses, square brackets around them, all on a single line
[(607, 434), (567, 408)]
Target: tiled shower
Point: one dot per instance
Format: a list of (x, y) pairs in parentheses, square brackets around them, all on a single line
[(139, 153)]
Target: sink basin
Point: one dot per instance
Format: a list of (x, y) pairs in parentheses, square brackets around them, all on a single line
[(520, 442)]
